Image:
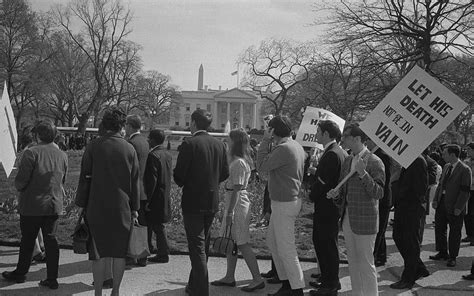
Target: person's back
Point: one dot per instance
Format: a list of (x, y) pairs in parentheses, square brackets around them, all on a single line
[(40, 179), (199, 169), (113, 159), (285, 180), (42, 171)]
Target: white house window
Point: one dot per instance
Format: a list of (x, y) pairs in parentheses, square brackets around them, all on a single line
[(187, 119), (209, 107), (188, 107), (198, 106)]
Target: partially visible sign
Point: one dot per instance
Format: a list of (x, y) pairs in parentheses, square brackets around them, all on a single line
[(411, 116), (306, 135), (8, 133)]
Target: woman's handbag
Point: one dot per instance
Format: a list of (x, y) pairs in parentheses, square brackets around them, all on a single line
[(138, 244), (80, 236), (225, 245)]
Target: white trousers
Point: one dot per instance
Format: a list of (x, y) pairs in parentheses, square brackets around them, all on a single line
[(281, 242), (360, 249)]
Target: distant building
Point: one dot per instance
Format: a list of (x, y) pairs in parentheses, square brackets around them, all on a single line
[(240, 107)]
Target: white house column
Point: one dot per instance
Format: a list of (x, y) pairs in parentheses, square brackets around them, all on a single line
[(255, 116), (241, 115), (215, 115), (228, 112)]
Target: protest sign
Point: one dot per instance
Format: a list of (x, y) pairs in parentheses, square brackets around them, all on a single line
[(306, 135), (8, 134), (411, 116)]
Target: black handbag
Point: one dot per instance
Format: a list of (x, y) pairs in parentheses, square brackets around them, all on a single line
[(80, 236), (224, 245)]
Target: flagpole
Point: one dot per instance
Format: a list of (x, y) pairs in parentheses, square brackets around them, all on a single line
[(238, 75)]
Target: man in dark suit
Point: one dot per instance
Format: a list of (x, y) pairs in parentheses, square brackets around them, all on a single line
[(380, 249), (326, 213), (450, 202), (200, 167), (157, 187), (409, 210), (40, 179), (133, 125)]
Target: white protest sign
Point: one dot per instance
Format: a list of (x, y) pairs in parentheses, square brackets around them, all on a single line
[(8, 134), (306, 135), (411, 116)]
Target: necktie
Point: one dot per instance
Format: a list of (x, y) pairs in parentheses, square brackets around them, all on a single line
[(448, 173)]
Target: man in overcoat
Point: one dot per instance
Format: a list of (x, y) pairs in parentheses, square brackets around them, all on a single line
[(157, 181)]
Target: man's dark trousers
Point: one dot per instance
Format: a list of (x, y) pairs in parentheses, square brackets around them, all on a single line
[(325, 232), (406, 235), (442, 220), (380, 248), (197, 232), (30, 225), (469, 217), (161, 239)]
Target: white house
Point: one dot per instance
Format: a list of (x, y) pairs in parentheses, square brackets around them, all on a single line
[(240, 107)]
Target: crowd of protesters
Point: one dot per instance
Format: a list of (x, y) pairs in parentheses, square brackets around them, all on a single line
[(125, 179)]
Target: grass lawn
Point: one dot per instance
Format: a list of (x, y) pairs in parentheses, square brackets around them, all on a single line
[(10, 226)]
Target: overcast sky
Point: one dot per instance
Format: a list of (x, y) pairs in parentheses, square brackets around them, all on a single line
[(178, 35)]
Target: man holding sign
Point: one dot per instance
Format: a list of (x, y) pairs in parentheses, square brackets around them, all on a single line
[(362, 187)]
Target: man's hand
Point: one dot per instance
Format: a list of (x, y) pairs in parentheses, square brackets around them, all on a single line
[(360, 166), (268, 133), (332, 194), (457, 212), (135, 217), (311, 170)]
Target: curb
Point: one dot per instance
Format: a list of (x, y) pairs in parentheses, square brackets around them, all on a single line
[(16, 243)]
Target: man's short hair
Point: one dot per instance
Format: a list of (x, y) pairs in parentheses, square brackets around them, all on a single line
[(113, 119), (355, 131), (281, 125), (157, 135), (134, 121), (331, 128), (202, 118), (46, 131), (453, 149)]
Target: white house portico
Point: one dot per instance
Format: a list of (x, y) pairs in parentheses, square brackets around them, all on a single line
[(241, 108)]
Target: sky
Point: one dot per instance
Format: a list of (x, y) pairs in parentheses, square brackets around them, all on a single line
[(177, 36)]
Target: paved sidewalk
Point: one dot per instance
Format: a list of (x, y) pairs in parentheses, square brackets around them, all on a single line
[(170, 279)]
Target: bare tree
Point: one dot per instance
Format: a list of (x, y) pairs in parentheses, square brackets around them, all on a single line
[(69, 79), (123, 69), (275, 67), (347, 81), (104, 26), (458, 76), (437, 29), (156, 95), (18, 52)]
